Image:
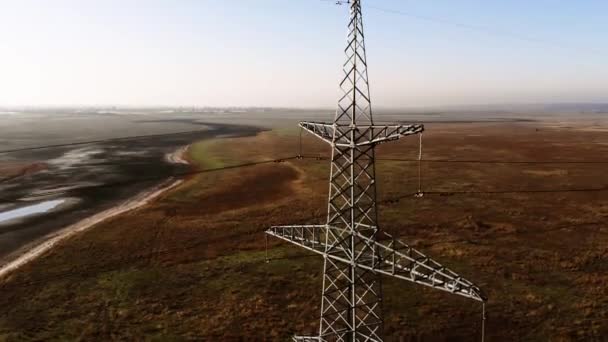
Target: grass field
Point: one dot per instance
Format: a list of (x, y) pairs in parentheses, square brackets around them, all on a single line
[(192, 265)]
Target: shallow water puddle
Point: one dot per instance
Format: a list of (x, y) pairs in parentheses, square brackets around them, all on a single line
[(39, 208)]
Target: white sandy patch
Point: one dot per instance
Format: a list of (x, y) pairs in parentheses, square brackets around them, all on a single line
[(177, 157), (29, 210), (75, 158)]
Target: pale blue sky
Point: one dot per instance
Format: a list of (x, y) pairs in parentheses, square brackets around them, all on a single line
[(288, 52)]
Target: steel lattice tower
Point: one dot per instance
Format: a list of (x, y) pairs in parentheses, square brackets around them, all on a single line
[(356, 253)]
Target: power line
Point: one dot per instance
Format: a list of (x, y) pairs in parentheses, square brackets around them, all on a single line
[(487, 30), (482, 29), (387, 201), (323, 158), (280, 160), (152, 178), (406, 160), (517, 191), (477, 161), (94, 268), (473, 161)]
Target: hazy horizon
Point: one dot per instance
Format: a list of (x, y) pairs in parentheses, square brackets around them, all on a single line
[(603, 106), (287, 54)]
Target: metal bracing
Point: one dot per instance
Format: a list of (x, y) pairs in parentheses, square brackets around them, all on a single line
[(355, 252), (392, 258), (338, 135)]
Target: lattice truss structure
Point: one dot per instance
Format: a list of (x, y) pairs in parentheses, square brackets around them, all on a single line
[(356, 253)]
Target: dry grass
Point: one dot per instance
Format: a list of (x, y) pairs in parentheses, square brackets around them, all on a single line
[(191, 265)]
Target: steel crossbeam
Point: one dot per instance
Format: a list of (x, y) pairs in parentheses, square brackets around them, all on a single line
[(370, 134), (391, 257)]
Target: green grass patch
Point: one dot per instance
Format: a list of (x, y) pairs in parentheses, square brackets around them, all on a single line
[(205, 154), (287, 131), (126, 286), (123, 285)]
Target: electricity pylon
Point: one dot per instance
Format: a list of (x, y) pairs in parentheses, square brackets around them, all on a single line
[(355, 251)]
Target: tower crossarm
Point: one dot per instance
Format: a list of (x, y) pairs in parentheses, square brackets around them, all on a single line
[(388, 256), (340, 135)]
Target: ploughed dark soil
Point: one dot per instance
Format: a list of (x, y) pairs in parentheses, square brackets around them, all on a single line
[(192, 264)]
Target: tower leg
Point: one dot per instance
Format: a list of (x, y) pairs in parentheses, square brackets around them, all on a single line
[(351, 308)]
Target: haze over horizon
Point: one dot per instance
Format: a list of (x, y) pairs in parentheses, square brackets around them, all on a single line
[(287, 53)]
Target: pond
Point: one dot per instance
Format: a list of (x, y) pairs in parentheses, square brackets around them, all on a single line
[(38, 208)]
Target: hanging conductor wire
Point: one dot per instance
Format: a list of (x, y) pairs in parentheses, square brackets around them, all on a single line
[(300, 155), (420, 193), (266, 245)]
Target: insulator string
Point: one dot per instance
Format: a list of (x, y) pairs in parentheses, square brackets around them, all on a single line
[(300, 147), (266, 245), (420, 193)]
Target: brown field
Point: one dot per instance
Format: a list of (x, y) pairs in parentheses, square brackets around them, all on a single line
[(10, 170), (192, 264)]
